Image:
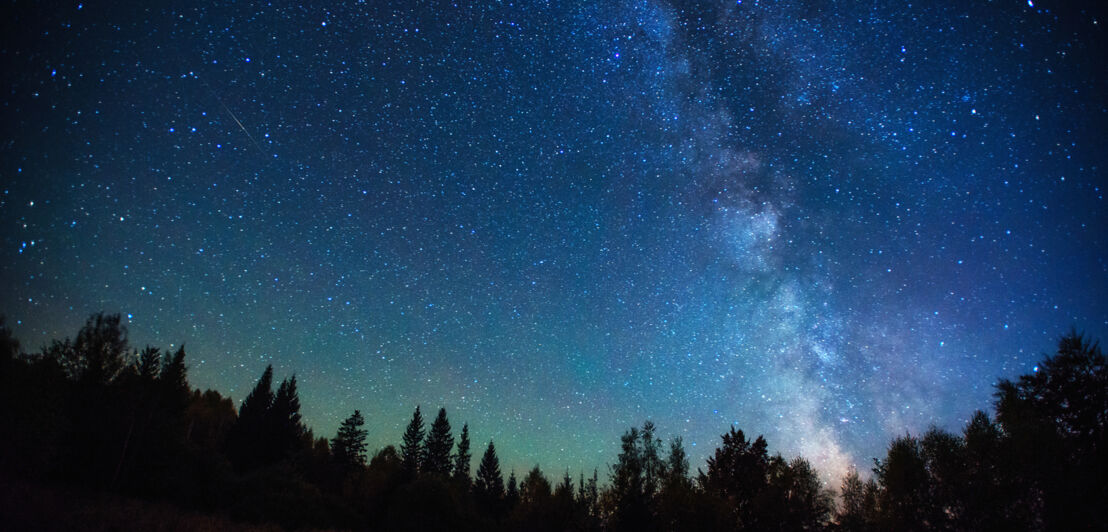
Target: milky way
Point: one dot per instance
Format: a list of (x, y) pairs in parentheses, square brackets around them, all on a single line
[(829, 225)]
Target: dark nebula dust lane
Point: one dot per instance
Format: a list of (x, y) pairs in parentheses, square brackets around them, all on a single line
[(830, 225)]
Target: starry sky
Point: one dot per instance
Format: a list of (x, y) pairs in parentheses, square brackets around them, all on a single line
[(828, 223)]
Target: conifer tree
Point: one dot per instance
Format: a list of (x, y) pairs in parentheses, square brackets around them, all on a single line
[(511, 495), (462, 457), (652, 467), (149, 364), (489, 483), (677, 466), (631, 506), (259, 399), (173, 381), (564, 490), (283, 421), (245, 439), (174, 374), (411, 448), (535, 488), (348, 446), (436, 451)]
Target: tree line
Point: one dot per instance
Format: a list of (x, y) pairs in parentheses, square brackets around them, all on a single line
[(97, 415)]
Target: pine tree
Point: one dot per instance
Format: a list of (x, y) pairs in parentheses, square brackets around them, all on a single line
[(411, 448), (592, 492), (259, 400), (174, 374), (677, 466), (284, 428), (436, 451), (673, 506), (564, 490), (173, 381), (462, 457), (245, 440), (149, 364), (489, 483), (348, 446), (631, 507), (534, 488), (652, 467), (511, 496)]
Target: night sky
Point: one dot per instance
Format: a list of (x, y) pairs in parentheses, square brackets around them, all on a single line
[(828, 225)]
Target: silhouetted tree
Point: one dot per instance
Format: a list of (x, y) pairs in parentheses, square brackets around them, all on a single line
[(852, 511), (677, 467), (795, 498), (436, 450), (511, 494), (1056, 419), (944, 458), (653, 468), (173, 382), (462, 457), (149, 364), (542, 509), (285, 431), (488, 486), (348, 446), (534, 488), (411, 449), (384, 475), (903, 481), (156, 395), (628, 493), (99, 353), (737, 474), (243, 445), (258, 401), (675, 508), (209, 417), (96, 413), (992, 492)]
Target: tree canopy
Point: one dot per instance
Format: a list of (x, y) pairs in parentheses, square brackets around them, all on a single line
[(97, 415)]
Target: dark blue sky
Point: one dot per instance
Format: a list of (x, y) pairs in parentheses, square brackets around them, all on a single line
[(829, 225)]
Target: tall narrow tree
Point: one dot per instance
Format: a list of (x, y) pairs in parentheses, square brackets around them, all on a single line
[(243, 440), (632, 508), (411, 448), (462, 457), (489, 483), (284, 429), (436, 452), (348, 446), (511, 494), (652, 467), (677, 466), (173, 381)]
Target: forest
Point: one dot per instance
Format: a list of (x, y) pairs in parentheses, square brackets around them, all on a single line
[(94, 420)]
